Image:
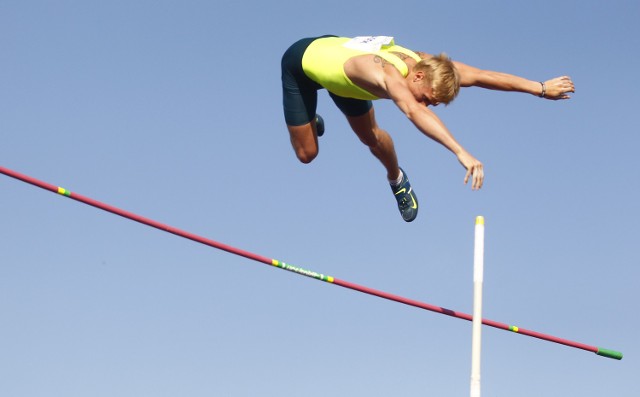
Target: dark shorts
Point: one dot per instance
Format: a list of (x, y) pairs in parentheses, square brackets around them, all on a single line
[(300, 93)]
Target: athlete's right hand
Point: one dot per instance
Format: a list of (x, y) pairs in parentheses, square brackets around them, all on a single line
[(474, 169)]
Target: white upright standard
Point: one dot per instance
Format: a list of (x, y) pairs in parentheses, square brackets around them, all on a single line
[(478, 275)]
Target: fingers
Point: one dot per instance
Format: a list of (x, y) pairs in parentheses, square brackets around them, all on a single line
[(475, 169), (566, 85), (476, 173), (478, 177)]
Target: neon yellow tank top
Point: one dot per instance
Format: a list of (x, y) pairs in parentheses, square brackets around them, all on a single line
[(324, 59)]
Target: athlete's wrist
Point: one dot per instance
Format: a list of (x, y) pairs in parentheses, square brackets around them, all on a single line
[(543, 91)]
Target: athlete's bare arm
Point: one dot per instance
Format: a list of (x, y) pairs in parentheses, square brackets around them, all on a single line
[(431, 125), (554, 89), (385, 81)]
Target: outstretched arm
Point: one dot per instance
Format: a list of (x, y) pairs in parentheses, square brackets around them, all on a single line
[(554, 89), (431, 125)]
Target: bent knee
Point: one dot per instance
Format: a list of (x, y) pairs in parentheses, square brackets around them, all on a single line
[(306, 155), (304, 142)]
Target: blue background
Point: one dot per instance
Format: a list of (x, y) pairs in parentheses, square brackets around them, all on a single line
[(172, 110)]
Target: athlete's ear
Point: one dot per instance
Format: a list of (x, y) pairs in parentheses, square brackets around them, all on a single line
[(418, 76)]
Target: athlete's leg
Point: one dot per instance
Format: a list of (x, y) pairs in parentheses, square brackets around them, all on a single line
[(304, 140), (381, 145), (378, 140), (299, 100)]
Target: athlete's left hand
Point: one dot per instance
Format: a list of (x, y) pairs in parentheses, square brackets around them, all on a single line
[(559, 88)]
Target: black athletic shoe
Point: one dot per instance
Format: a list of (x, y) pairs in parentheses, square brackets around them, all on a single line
[(319, 125), (406, 198)]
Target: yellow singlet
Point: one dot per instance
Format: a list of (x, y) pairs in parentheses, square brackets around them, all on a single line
[(324, 60)]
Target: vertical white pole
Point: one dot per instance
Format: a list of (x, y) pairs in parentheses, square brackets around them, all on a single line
[(478, 276)]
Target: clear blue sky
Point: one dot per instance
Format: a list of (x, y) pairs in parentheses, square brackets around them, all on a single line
[(172, 110)]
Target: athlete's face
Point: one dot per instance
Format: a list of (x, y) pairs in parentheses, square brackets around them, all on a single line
[(423, 90), (427, 95)]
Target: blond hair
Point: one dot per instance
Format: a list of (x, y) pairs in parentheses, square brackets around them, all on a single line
[(443, 75)]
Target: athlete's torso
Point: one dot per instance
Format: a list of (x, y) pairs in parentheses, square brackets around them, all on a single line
[(324, 59)]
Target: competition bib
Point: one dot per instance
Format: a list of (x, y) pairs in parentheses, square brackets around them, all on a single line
[(369, 43)]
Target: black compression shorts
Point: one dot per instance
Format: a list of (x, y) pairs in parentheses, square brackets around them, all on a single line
[(300, 93)]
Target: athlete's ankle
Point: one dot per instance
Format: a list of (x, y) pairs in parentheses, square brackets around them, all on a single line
[(397, 181)]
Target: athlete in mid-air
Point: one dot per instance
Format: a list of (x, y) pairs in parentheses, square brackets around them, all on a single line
[(356, 71)]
